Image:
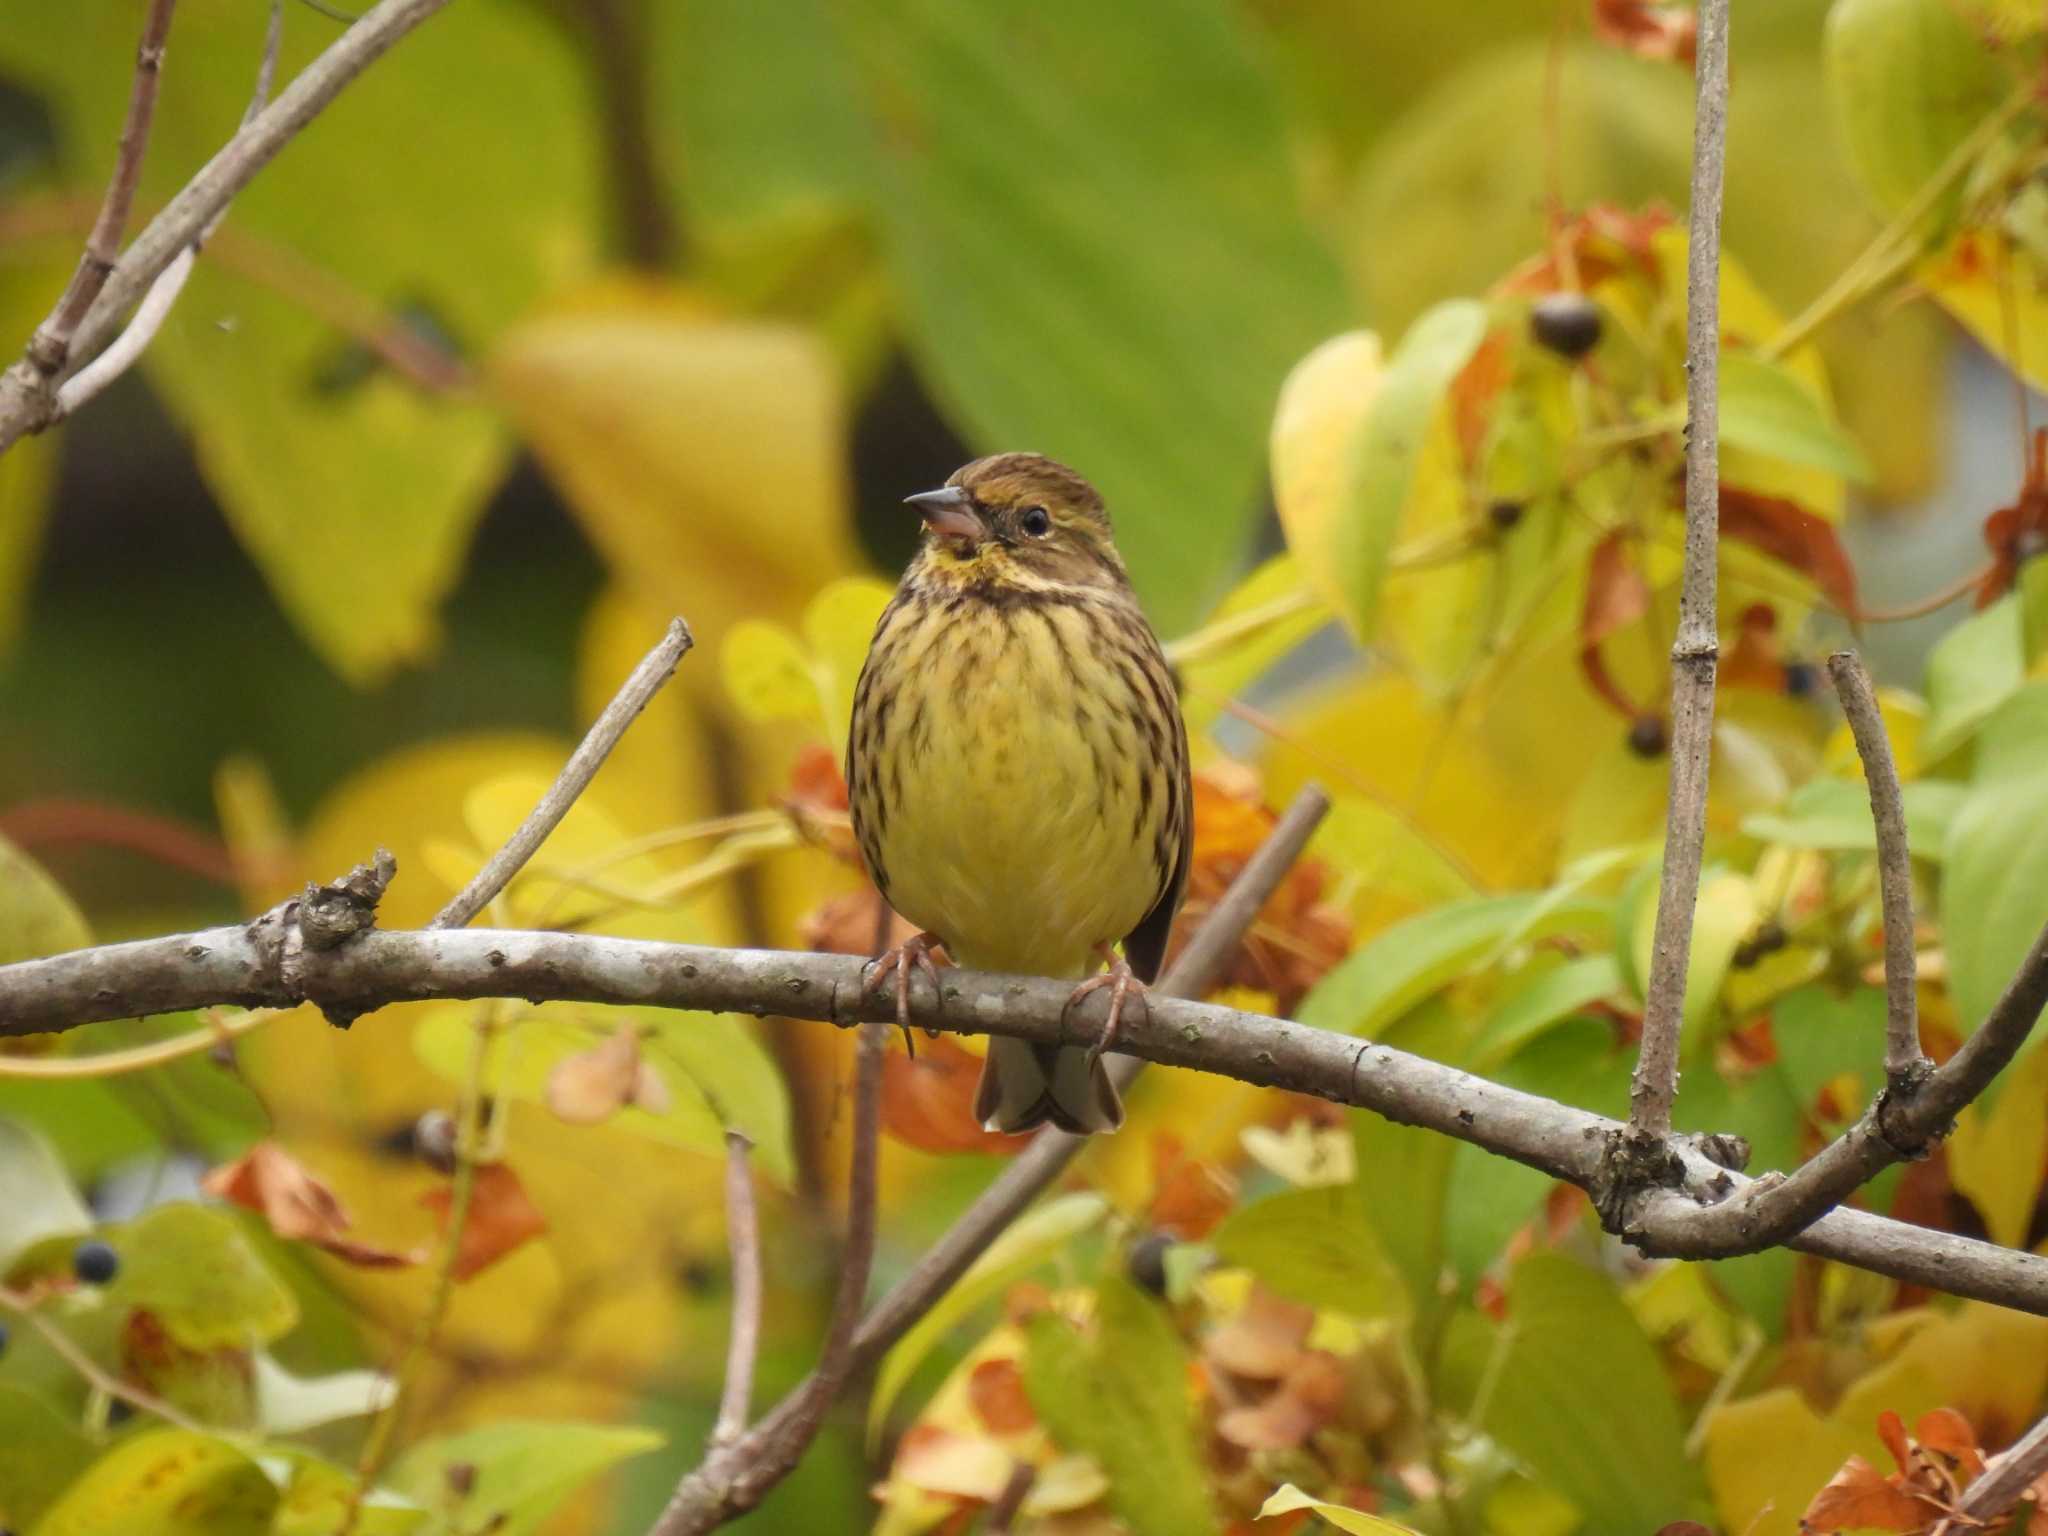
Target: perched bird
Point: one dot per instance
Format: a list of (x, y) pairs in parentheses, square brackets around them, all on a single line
[(1018, 768)]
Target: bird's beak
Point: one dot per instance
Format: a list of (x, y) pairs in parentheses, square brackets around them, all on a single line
[(949, 513)]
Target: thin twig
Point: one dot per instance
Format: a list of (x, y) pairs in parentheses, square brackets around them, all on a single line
[(737, 1475), (1002, 1514), (725, 1484), (743, 1236), (1904, 1062), (2006, 1479), (50, 347), (1696, 649), (633, 695), (28, 395), (100, 1379)]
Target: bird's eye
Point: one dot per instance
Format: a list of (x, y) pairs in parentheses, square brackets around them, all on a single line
[(1036, 522)]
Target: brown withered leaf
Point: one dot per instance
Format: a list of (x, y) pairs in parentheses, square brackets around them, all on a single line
[(268, 1180), (995, 1388), (591, 1086), (502, 1216), (1917, 1497), (1189, 1197), (928, 1101), (1946, 1431), (816, 801), (1616, 596), (1756, 660), (1264, 1340), (1306, 1399), (1859, 1497), (1647, 29), (1603, 241), (1793, 536)]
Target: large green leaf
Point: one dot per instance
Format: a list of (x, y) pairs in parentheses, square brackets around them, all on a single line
[(1767, 410), (37, 1201), (1088, 269), (1974, 668), (1120, 1393), (1582, 1401), (1908, 80), (40, 1452), (1026, 1244), (191, 1268), (521, 1470), (165, 1482), (1994, 885), (1835, 814), (1547, 995), (1317, 1246), (36, 917), (1399, 1186), (459, 192), (1382, 471)]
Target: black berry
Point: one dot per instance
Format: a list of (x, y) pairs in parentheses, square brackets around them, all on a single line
[(1567, 323), (95, 1262), (433, 1140), (3, 1338), (1504, 514), (1646, 735), (1146, 1262), (1802, 679)]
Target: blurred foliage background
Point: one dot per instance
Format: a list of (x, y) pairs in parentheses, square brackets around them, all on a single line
[(576, 314)]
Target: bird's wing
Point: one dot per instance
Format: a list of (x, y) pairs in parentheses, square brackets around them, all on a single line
[(1145, 945)]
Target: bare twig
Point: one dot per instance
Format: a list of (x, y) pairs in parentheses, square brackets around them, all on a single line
[(50, 348), (28, 394), (737, 1475), (73, 1354), (127, 348), (1696, 649), (1028, 1174), (1003, 1513), (743, 1237), (2006, 1479), (633, 695), (1904, 1062)]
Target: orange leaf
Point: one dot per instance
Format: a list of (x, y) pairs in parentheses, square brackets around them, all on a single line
[(1189, 1197), (1859, 1497), (1755, 660), (928, 1101), (1948, 1432), (1616, 596), (593, 1085), (1891, 1429), (1647, 30), (1793, 536), (270, 1181), (996, 1390), (1306, 1400), (501, 1217), (1264, 1340)]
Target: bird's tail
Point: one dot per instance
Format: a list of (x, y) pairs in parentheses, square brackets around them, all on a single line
[(1025, 1085)]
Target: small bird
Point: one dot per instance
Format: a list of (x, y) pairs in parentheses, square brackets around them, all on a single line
[(1018, 768)]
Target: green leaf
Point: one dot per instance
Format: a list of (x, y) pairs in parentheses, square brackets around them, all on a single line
[(429, 185), (36, 917), (1019, 160), (1399, 1188), (40, 1452), (165, 1482), (1767, 410), (1764, 1109), (1582, 1401), (1834, 815), (714, 1066), (1548, 996), (1317, 1246), (1822, 1034), (1972, 670), (28, 470), (1994, 885), (1026, 1244), (315, 1497), (524, 1469), (1287, 1499), (37, 1203), (1725, 914), (191, 1268), (1379, 982), (1908, 81), (1382, 471), (1120, 1393)]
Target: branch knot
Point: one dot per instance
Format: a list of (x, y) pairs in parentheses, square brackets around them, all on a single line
[(324, 918)]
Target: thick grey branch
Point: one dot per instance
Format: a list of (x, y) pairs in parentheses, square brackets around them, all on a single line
[(243, 965), (28, 401), (1695, 650), (655, 669), (2006, 1479)]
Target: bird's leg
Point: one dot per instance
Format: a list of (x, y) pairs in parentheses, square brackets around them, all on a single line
[(913, 954), (1122, 983)]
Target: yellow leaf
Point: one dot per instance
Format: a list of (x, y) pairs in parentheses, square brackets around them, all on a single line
[(838, 625), (1288, 1498), (767, 673), (1996, 1154), (1323, 403), (1996, 288)]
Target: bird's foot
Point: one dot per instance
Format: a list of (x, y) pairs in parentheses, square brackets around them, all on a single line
[(913, 954), (1123, 985)]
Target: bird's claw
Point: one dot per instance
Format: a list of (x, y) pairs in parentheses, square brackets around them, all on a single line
[(913, 954), (1123, 985)]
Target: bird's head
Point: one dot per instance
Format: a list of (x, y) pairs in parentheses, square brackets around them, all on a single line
[(1018, 520)]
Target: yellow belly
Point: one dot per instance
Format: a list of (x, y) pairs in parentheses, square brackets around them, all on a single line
[(1021, 837)]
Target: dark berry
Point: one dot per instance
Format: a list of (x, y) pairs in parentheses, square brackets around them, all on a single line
[(433, 1140), (1567, 323), (119, 1412), (1646, 735), (1802, 679), (3, 1338), (1504, 514), (1147, 1262), (95, 1262), (461, 1478)]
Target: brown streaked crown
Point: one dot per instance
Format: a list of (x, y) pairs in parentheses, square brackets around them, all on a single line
[(1006, 480)]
